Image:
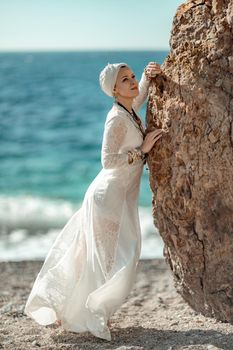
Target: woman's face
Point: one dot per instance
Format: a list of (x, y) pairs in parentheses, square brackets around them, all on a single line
[(126, 85)]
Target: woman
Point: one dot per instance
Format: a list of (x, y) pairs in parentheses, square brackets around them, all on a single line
[(91, 266)]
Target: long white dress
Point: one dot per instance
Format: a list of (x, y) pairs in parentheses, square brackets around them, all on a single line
[(90, 268)]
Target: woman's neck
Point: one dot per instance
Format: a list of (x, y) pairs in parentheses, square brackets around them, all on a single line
[(127, 103)]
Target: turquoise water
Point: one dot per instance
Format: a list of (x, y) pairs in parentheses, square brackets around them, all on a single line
[(52, 114)]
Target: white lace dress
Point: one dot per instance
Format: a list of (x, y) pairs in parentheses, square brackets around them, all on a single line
[(90, 268)]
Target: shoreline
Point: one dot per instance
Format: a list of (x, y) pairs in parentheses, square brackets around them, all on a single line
[(154, 316)]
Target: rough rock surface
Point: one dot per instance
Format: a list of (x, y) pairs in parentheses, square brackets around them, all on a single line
[(191, 166)]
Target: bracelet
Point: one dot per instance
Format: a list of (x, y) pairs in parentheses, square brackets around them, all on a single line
[(143, 155), (136, 154)]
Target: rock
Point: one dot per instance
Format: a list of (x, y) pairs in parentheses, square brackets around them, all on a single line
[(6, 308), (191, 166), (35, 343), (130, 348), (212, 347)]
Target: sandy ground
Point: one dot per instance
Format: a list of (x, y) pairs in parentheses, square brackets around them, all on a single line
[(153, 316)]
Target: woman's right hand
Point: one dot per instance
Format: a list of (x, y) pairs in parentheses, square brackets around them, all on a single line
[(150, 140)]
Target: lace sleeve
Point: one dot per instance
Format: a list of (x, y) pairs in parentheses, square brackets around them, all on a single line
[(114, 134), (143, 93)]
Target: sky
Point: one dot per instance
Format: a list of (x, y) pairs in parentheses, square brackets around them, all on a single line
[(86, 24)]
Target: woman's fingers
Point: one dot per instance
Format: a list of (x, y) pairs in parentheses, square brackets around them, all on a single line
[(157, 137), (157, 132), (153, 65), (154, 133), (153, 68)]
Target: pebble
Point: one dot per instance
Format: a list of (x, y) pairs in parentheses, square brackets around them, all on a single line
[(212, 347), (130, 348), (35, 343), (6, 308), (137, 303)]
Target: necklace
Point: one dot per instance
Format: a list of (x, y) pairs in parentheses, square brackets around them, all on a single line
[(135, 118)]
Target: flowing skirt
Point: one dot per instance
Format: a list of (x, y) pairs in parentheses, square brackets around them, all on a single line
[(90, 268)]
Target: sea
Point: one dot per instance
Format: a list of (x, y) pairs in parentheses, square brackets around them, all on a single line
[(52, 114)]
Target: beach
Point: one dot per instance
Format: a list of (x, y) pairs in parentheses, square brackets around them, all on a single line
[(154, 316)]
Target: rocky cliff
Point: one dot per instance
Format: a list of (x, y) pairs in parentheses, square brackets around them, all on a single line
[(191, 166)]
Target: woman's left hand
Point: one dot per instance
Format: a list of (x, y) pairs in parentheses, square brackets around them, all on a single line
[(152, 69)]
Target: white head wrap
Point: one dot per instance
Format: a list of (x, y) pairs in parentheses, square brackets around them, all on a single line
[(108, 76)]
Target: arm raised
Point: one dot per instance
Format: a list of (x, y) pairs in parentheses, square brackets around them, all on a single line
[(143, 92)]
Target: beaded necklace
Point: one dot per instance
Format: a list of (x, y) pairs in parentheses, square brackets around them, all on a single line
[(135, 118)]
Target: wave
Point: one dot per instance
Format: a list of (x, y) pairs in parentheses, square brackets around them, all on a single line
[(29, 225)]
